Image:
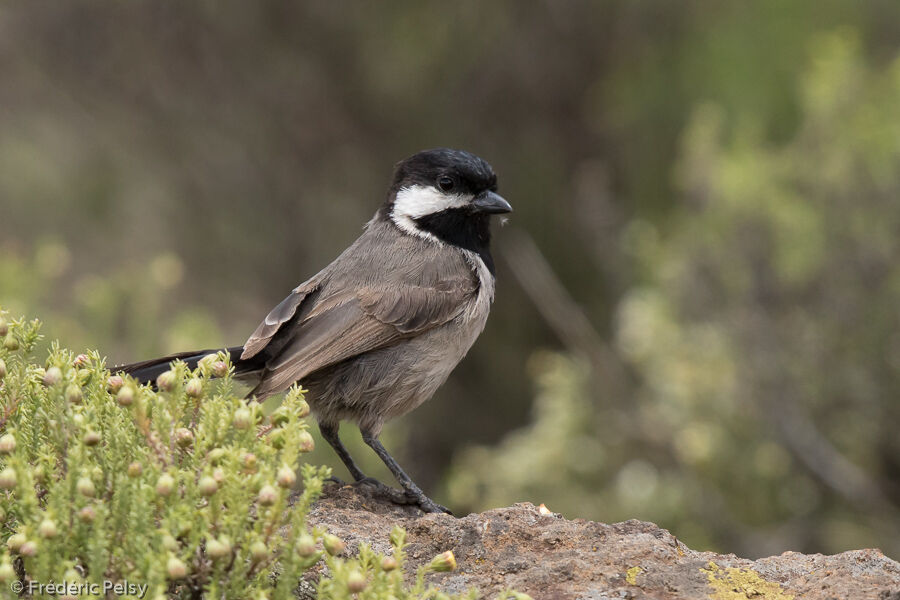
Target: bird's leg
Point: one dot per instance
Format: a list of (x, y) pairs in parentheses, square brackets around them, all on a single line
[(330, 433), (411, 494), (412, 490)]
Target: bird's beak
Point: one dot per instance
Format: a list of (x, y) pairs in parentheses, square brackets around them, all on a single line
[(491, 203)]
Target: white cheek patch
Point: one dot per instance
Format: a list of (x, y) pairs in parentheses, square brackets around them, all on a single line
[(418, 201)]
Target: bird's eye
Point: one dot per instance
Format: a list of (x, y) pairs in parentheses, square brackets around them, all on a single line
[(445, 183)]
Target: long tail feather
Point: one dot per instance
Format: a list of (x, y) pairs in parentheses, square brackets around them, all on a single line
[(148, 370)]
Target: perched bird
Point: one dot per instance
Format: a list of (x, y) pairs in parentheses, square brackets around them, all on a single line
[(377, 331)]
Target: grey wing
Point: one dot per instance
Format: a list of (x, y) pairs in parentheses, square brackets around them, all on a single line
[(277, 317), (358, 321)]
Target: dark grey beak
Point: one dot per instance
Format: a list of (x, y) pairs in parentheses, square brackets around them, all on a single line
[(491, 203)]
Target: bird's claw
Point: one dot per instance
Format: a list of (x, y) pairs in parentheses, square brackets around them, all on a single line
[(403, 497), (430, 506)]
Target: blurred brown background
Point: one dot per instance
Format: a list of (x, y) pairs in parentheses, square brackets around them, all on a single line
[(698, 315)]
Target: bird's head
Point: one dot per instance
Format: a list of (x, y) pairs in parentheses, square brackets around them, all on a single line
[(441, 192)]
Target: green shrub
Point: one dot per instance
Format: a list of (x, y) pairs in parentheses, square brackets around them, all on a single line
[(187, 490)]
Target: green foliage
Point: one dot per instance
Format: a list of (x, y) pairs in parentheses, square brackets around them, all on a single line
[(185, 490), (763, 340), (128, 312)]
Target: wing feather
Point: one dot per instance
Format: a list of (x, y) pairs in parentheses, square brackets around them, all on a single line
[(278, 316), (358, 321)]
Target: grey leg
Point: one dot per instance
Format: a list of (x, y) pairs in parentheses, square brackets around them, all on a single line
[(412, 490), (330, 433)]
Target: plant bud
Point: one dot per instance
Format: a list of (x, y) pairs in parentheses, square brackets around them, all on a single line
[(276, 438), (194, 388), (164, 484), (2, 369), (8, 478), (114, 383), (207, 486), (73, 394), (184, 437), (125, 397), (306, 545), (302, 409), (243, 418), (166, 381), (214, 549), (86, 487), (52, 376), (206, 362), (169, 542), (11, 343), (305, 442), (219, 369), (443, 562), (7, 443), (248, 460), (47, 528), (176, 568), (333, 544), (91, 438), (258, 551), (268, 495), (286, 477), (4, 327), (87, 514), (356, 582), (218, 548), (7, 573), (388, 563), (85, 376), (29, 548), (219, 474), (15, 542), (135, 469), (80, 361)]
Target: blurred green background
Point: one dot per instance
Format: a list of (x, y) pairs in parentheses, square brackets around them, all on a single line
[(698, 311)]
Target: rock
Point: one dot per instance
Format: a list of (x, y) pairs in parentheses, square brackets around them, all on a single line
[(552, 558)]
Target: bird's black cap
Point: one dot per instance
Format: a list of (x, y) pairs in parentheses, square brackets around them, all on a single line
[(469, 173)]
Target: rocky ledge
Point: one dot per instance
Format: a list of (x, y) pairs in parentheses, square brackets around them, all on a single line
[(551, 558)]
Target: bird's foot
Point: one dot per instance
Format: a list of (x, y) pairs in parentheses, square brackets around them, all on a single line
[(403, 497), (385, 491), (430, 506)]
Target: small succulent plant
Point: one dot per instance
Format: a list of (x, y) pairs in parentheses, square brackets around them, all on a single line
[(185, 488)]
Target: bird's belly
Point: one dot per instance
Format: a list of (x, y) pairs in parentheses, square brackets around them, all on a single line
[(383, 384)]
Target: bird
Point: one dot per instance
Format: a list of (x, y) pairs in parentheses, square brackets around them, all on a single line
[(375, 333)]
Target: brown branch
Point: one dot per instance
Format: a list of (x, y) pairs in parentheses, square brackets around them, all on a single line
[(560, 311)]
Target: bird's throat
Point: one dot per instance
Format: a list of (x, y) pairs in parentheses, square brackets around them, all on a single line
[(460, 227)]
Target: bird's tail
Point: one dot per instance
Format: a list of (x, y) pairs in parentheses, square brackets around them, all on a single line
[(148, 370)]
